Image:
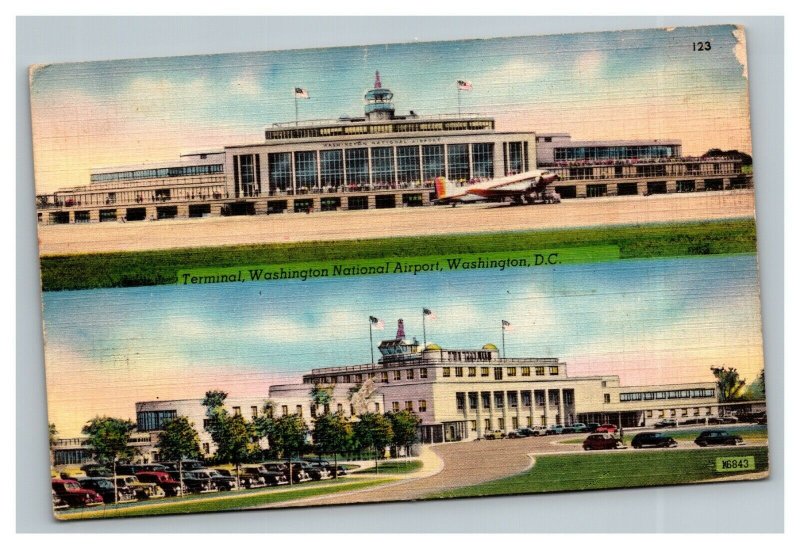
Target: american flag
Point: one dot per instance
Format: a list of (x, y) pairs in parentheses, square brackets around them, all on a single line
[(429, 313), (464, 85), (506, 325), (377, 323), (301, 92)]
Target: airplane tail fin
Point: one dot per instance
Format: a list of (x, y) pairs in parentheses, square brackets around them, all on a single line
[(445, 189)]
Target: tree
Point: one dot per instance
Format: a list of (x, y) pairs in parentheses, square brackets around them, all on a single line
[(178, 440), (264, 425), (332, 433), (321, 396), (288, 436), (757, 389), (404, 428), (52, 433), (232, 435), (729, 385), (108, 437), (373, 431)]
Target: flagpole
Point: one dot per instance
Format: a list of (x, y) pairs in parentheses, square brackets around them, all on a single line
[(503, 330), (296, 116), (459, 100), (424, 335), (371, 346)]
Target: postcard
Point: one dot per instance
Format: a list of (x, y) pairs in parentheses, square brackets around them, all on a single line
[(399, 272)]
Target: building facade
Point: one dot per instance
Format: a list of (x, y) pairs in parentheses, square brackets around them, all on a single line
[(379, 160)]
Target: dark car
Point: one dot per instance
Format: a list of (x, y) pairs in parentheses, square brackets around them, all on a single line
[(135, 469), (273, 473), (324, 463), (601, 441), (185, 465), (580, 428), (314, 472), (592, 427), (71, 492), (196, 482), (718, 438), (655, 440), (223, 483), (162, 479), (105, 487), (665, 423), (94, 470), (519, 433), (722, 420)]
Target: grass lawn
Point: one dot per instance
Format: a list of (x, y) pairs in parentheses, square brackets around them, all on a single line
[(618, 469), (747, 432), (222, 501), (392, 467), (122, 269)]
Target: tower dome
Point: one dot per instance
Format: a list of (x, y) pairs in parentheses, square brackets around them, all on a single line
[(490, 347), (379, 101)]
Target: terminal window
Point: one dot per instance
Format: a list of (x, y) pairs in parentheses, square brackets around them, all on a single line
[(446, 371), (540, 370), (484, 371), (384, 377), (422, 405), (472, 371), (512, 371), (553, 370), (410, 405), (459, 371), (397, 375), (423, 373), (526, 370), (395, 406), (473, 425), (459, 401), (409, 374)]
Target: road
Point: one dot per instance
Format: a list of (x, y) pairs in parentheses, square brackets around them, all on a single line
[(327, 226), (467, 464)]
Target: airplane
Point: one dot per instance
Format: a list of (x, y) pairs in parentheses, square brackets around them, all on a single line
[(530, 187)]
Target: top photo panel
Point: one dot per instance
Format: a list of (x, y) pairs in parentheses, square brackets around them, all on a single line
[(471, 136)]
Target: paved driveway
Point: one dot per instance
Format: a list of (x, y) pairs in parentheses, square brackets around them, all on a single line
[(454, 465)]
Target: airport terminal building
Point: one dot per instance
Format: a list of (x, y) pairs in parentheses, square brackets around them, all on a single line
[(379, 160)]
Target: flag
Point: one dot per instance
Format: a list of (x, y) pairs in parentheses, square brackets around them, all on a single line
[(377, 323), (506, 326), (464, 85), (301, 92), (429, 313)]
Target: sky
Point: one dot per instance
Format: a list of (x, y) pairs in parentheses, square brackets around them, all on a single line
[(645, 84), (648, 321)]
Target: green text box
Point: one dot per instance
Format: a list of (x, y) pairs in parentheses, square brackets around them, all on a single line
[(735, 464), (499, 261)]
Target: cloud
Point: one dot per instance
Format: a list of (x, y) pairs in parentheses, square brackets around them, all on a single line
[(589, 65), (740, 49)]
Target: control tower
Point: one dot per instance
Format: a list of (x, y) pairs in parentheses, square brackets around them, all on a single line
[(379, 101)]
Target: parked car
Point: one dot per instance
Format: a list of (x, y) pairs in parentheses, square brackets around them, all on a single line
[(520, 433), (601, 441), (592, 427), (71, 492), (722, 420), (246, 480), (58, 503), (665, 423), (340, 471), (141, 490), (95, 470), (579, 428), (494, 435), (718, 438), (313, 472), (273, 473), (537, 431), (197, 482), (606, 428), (694, 421), (655, 440), (133, 469), (162, 479), (558, 430), (185, 465), (223, 483), (105, 487)]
